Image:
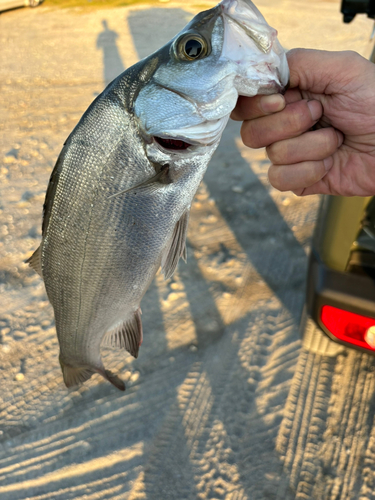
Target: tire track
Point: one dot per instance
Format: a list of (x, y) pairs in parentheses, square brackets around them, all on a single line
[(304, 407), (324, 433), (192, 425), (221, 425), (49, 458)]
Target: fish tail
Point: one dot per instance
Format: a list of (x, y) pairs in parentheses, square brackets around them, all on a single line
[(111, 377)]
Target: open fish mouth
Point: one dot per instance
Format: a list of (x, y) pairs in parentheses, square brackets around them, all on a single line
[(172, 144)]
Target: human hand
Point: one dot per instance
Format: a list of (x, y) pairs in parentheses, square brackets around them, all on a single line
[(319, 136)]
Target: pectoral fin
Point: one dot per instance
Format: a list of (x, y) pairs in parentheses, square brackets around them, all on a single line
[(160, 177), (176, 248), (127, 336)]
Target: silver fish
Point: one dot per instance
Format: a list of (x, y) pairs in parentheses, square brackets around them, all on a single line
[(118, 201)]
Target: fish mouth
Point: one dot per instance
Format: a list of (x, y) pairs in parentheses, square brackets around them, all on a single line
[(172, 144)]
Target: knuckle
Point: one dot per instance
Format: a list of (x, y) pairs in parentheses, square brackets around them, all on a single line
[(275, 177), (298, 122), (314, 171), (245, 134), (331, 140), (250, 135), (299, 118), (276, 152), (325, 142)]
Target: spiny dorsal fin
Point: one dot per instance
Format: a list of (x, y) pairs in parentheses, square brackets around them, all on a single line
[(35, 261), (128, 335), (176, 248)]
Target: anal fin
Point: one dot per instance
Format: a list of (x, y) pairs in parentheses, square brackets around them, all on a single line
[(75, 375), (35, 261), (177, 246), (128, 335)]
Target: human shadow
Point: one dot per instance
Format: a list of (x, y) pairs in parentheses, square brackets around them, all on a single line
[(112, 62)]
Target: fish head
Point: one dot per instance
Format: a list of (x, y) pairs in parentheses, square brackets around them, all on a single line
[(224, 52)]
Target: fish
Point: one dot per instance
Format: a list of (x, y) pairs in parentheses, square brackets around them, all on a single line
[(118, 200)]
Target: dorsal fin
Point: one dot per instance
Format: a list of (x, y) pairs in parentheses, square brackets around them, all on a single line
[(128, 335), (176, 247), (35, 261)]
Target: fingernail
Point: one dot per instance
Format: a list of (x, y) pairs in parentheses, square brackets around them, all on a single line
[(315, 109), (272, 103), (328, 162)]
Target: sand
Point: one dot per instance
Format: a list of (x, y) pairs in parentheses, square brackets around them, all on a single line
[(223, 401)]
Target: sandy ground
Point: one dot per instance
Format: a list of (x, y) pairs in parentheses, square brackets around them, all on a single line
[(223, 403)]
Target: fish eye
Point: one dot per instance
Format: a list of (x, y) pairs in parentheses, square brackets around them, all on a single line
[(191, 47)]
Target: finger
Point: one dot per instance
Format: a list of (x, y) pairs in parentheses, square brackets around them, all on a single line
[(299, 175), (323, 186), (292, 121), (325, 72), (292, 95), (319, 187), (315, 145), (248, 108)]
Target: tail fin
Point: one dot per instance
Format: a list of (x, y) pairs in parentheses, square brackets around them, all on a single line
[(114, 379), (75, 375)]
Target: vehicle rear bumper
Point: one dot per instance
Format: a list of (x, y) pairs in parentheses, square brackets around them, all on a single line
[(351, 292)]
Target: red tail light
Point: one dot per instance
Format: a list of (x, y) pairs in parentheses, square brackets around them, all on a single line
[(350, 327)]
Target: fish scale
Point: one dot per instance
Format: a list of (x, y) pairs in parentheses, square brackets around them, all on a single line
[(118, 201)]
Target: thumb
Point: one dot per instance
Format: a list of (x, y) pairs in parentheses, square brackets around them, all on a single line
[(325, 72)]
